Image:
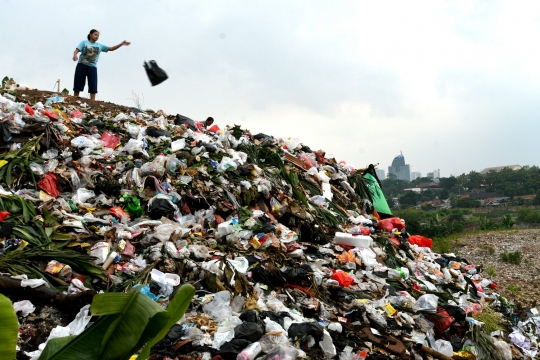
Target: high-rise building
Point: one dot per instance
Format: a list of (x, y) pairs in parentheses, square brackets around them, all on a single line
[(380, 174), (435, 174), (399, 169), (415, 175)]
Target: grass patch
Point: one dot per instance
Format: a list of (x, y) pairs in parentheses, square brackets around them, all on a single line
[(512, 257), (451, 243)]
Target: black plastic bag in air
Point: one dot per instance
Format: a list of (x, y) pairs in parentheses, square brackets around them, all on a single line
[(154, 72)]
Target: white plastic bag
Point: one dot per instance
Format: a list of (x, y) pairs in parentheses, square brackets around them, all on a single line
[(444, 347), (225, 331), (427, 302), (24, 306), (219, 308)]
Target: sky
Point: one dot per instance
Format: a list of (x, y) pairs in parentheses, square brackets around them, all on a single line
[(454, 85)]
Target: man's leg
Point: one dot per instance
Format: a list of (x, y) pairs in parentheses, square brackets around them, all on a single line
[(80, 79), (92, 82)]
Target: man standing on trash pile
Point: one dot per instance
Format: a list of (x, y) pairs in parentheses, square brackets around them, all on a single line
[(86, 67)]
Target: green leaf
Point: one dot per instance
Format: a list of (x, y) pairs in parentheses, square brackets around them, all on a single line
[(176, 309), (54, 345), (85, 346), (4, 81), (8, 330), (135, 311)]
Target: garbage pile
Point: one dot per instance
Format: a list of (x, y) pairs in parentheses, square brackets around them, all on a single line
[(292, 254)]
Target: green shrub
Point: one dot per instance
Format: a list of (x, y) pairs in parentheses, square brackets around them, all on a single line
[(512, 257)]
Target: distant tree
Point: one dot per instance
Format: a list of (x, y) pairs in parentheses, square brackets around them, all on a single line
[(467, 203), (448, 183), (444, 194), (409, 199)]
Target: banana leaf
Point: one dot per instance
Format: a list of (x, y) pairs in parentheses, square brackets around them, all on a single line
[(126, 323), (177, 308), (8, 329)]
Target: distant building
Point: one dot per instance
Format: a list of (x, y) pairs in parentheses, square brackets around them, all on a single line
[(499, 168), (415, 175), (399, 169), (380, 174), (435, 174)]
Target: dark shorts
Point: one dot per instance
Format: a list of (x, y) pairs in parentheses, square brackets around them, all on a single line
[(81, 73)]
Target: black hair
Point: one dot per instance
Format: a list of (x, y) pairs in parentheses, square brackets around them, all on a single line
[(90, 33)]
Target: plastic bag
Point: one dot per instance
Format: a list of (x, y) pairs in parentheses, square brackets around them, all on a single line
[(226, 163), (161, 205), (156, 167), (135, 146), (82, 195), (420, 241), (427, 302), (298, 331), (327, 346), (156, 133), (154, 72), (369, 258), (178, 145), (219, 308), (343, 278), (172, 164), (391, 224), (441, 320), (109, 140), (444, 347), (50, 184), (225, 331), (132, 205), (248, 331), (281, 352), (25, 307)]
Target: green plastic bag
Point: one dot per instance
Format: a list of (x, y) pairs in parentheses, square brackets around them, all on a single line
[(379, 201), (133, 206)]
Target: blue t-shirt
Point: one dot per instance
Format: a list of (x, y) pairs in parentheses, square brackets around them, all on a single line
[(90, 52)]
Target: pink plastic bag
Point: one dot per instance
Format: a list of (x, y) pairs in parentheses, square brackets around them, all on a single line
[(391, 224), (109, 140)]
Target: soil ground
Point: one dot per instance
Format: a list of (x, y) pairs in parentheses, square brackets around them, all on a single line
[(485, 249)]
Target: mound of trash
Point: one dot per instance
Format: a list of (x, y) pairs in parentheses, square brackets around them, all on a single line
[(290, 254)]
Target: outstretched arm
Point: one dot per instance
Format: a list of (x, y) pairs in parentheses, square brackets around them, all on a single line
[(126, 43), (75, 53)]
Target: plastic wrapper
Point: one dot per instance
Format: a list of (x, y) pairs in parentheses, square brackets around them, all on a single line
[(100, 251)]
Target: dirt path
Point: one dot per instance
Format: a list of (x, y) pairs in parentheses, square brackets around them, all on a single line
[(486, 248)]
